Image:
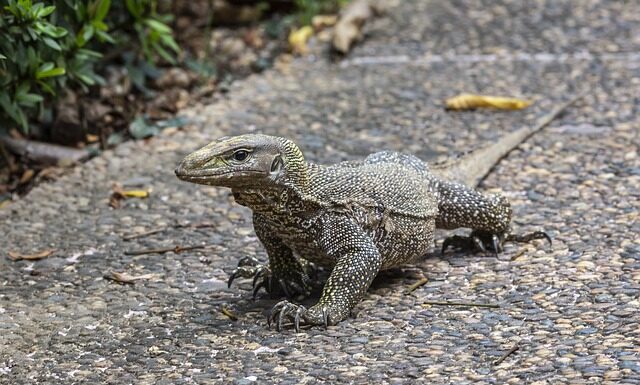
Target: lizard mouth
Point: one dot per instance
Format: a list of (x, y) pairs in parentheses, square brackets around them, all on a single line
[(211, 176)]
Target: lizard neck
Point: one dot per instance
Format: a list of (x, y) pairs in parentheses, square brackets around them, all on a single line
[(289, 195)]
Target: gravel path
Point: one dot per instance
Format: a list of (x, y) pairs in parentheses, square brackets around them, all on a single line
[(573, 310)]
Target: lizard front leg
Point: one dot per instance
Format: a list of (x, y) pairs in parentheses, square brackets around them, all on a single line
[(488, 216), (358, 261), (284, 269)]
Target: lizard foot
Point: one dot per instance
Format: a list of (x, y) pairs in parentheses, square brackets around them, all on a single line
[(482, 241), (292, 284), (285, 310)]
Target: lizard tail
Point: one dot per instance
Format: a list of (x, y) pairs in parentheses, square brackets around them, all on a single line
[(472, 168)]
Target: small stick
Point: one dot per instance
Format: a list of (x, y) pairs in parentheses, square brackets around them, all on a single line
[(507, 354), (176, 249), (416, 285), (144, 233), (453, 303), (129, 237), (519, 253)]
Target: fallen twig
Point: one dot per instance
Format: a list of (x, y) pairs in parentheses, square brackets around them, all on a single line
[(453, 303), (127, 278), (176, 249), (507, 354), (416, 285), (519, 254), (45, 153), (129, 237), (14, 256)]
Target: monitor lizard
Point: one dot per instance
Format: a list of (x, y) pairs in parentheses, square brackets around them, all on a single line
[(356, 217)]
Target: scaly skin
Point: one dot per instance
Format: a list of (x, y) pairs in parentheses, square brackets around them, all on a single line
[(355, 218)]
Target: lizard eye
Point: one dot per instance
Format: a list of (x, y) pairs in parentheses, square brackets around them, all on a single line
[(240, 155)]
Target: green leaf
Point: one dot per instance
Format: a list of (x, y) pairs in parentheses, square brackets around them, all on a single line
[(46, 11), (50, 29), (163, 53), (57, 71), (103, 9), (46, 87), (46, 66), (103, 36), (51, 43), (89, 53), (170, 42), (85, 34), (158, 26), (29, 100), (2, 56), (141, 129), (23, 88), (99, 25), (86, 79), (134, 9), (115, 138), (177, 121), (9, 108)]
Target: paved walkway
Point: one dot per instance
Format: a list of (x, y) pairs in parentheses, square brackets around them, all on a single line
[(573, 309)]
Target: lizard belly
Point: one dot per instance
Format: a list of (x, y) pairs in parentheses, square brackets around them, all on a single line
[(403, 239), (299, 235)]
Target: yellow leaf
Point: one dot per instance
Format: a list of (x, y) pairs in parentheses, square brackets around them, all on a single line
[(135, 193), (471, 101), (298, 39)]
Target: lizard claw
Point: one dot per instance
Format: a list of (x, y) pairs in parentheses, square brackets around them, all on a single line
[(325, 317), (234, 275), (481, 240), (524, 238), (247, 267), (286, 310)]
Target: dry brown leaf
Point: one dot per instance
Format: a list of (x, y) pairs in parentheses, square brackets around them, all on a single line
[(27, 175), (298, 38), (15, 256), (226, 311), (92, 138), (127, 278), (320, 22), (472, 101), (348, 29)]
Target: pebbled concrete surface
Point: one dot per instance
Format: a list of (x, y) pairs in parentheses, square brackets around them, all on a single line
[(572, 309)]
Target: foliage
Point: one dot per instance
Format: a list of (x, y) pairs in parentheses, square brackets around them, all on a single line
[(46, 47)]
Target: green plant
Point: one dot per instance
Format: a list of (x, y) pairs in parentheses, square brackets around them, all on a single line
[(45, 48)]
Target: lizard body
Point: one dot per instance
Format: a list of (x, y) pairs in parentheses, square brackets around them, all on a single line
[(355, 218)]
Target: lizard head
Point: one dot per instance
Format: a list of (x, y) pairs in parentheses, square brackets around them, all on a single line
[(245, 161)]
